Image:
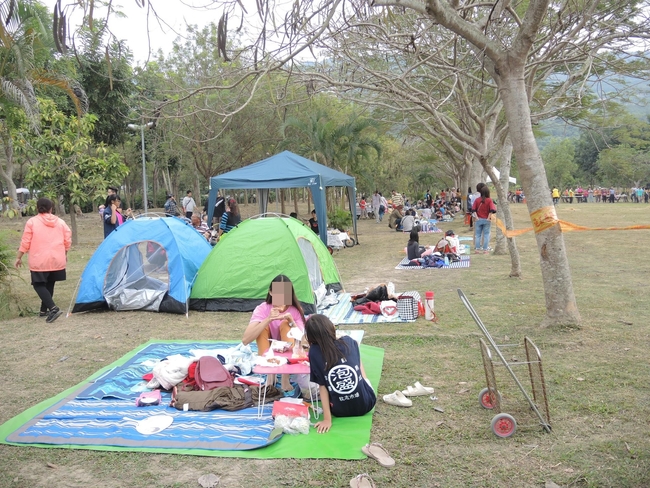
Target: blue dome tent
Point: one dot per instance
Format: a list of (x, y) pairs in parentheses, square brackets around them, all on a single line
[(145, 264)]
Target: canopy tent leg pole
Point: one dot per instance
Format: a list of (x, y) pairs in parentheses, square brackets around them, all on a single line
[(352, 199), (294, 191)]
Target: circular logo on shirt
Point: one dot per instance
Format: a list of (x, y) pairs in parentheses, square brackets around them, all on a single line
[(343, 379)]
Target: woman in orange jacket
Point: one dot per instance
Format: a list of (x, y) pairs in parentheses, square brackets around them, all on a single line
[(47, 239)]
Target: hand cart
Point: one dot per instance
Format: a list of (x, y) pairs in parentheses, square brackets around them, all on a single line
[(503, 424)]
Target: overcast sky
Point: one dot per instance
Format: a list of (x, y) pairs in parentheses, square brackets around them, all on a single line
[(176, 13)]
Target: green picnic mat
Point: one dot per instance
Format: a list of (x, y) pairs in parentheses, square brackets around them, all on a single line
[(343, 441)]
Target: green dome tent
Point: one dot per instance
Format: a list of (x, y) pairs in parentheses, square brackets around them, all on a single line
[(237, 273)]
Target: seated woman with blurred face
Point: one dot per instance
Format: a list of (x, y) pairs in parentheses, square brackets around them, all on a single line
[(273, 319)]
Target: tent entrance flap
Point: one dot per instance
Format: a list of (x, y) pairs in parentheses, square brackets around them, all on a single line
[(312, 263), (137, 278)]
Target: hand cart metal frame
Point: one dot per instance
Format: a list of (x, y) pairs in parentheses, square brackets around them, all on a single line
[(503, 424)]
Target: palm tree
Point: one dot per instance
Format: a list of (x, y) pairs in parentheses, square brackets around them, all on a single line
[(26, 44), (345, 146), (356, 142), (311, 138)]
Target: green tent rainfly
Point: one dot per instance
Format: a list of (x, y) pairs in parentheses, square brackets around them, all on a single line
[(237, 273)]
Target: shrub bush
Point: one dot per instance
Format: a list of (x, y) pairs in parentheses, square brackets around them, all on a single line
[(340, 219), (10, 306)]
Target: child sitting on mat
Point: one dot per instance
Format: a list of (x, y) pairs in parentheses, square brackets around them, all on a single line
[(336, 366)]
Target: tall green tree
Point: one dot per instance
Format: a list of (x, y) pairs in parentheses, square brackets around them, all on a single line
[(558, 156), (66, 161), (107, 77), (624, 166)]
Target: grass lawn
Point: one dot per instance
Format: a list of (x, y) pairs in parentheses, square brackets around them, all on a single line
[(597, 375)]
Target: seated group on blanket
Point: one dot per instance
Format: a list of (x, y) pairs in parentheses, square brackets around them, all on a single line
[(440, 210), (335, 364), (432, 256)]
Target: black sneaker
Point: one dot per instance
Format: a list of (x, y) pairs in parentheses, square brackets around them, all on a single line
[(54, 314), (43, 314)]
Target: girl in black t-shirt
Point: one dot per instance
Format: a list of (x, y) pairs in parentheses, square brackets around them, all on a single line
[(336, 367), (413, 248)]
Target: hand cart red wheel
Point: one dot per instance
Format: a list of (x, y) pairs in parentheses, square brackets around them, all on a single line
[(503, 424)]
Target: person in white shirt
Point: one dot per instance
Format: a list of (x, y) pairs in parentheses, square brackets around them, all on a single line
[(408, 222), (383, 206), (472, 197), (188, 204)]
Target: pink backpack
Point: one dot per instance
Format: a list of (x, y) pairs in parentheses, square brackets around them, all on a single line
[(210, 374)]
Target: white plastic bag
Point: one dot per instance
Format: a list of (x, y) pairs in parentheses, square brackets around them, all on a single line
[(388, 308)]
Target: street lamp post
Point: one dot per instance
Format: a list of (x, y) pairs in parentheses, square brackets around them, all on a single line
[(142, 127)]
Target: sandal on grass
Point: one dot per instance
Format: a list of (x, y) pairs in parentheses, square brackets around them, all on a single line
[(377, 452), (418, 390), (398, 399), (362, 481)]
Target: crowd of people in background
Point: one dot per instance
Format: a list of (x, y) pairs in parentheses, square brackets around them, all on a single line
[(402, 211), (226, 214), (590, 194), (407, 216)]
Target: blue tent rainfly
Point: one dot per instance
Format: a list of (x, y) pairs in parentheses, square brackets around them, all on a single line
[(287, 170), (145, 264)]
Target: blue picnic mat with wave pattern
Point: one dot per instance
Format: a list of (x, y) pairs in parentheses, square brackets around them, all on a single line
[(125, 381), (76, 419), (104, 413)]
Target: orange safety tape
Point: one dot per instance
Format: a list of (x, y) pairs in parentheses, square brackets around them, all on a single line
[(545, 218)]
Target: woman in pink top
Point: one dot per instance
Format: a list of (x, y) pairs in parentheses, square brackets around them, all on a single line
[(47, 239), (273, 319)]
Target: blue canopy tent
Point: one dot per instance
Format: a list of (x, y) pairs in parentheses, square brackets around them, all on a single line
[(145, 264), (287, 170)]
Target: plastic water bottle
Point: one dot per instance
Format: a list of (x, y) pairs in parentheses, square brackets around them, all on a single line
[(446, 260), (428, 305)]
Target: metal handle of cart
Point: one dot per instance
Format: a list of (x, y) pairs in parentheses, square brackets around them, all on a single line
[(495, 347)]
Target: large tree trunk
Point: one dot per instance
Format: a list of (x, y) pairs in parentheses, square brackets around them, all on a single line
[(197, 191), (73, 225), (7, 167), (503, 162), (561, 305), (465, 184), (505, 215), (475, 174)]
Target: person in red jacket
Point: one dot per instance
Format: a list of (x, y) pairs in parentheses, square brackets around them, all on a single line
[(481, 210), (47, 239)]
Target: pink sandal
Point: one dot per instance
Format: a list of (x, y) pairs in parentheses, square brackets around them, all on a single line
[(362, 481), (377, 452)]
